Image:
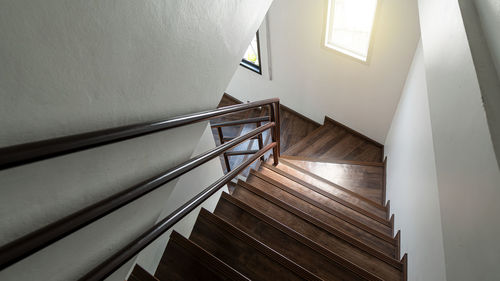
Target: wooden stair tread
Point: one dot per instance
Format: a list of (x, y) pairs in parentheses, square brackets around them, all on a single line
[(242, 252), (295, 218), (278, 189), (361, 181), (318, 198), (335, 141), (297, 205), (324, 266), (331, 160), (182, 255), (140, 274), (333, 192), (268, 229)]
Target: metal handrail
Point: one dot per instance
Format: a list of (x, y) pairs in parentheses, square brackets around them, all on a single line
[(27, 153), (22, 154), (43, 237), (114, 262)]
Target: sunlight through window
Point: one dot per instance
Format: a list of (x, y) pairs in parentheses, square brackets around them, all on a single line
[(349, 26)]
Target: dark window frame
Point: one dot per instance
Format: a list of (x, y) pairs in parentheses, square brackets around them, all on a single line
[(250, 65)]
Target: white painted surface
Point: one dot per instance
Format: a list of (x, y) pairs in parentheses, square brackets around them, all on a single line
[(411, 179), (489, 16), (316, 81), (467, 172), (70, 67), (477, 35)]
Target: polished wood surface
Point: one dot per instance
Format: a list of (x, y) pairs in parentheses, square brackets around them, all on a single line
[(334, 192), (323, 263), (332, 141), (249, 256), (140, 274), (344, 255), (184, 255), (279, 209), (326, 203), (367, 181)]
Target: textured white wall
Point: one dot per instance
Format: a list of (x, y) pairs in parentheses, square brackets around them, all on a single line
[(411, 179), (73, 66), (478, 27), (467, 172), (489, 16), (316, 81)]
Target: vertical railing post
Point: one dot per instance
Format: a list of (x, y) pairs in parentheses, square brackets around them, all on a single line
[(274, 132), (278, 128), (221, 139), (260, 140)]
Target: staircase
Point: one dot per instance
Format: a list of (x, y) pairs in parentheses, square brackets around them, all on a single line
[(317, 215)]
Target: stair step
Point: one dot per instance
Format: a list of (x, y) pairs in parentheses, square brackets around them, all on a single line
[(244, 253), (184, 260), (290, 215), (335, 141), (327, 198), (363, 182), (309, 139), (140, 274), (266, 227), (294, 246), (307, 178), (332, 160), (273, 193), (324, 203)]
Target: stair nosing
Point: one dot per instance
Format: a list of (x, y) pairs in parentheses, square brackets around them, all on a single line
[(355, 194), (343, 263), (318, 223), (188, 246), (284, 228), (259, 246), (329, 195), (327, 209), (332, 160)]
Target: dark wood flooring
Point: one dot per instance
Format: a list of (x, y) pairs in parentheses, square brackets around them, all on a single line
[(332, 142), (305, 218)]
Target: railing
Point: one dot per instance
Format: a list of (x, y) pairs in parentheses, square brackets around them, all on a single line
[(27, 153), (257, 121)]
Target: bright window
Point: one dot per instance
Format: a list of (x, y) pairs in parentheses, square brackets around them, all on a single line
[(349, 26), (251, 59)]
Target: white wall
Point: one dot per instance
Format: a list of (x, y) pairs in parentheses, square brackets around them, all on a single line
[(316, 81), (70, 67), (411, 179), (467, 172), (478, 25), (489, 16)]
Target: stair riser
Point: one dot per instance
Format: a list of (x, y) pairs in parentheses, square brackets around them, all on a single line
[(263, 201), (258, 224)]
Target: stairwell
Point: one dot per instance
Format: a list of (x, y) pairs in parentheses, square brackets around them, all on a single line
[(317, 215)]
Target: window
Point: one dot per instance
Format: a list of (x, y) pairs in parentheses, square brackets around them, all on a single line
[(349, 26), (251, 59)]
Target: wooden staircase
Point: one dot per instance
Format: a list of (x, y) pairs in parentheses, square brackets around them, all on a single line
[(318, 215)]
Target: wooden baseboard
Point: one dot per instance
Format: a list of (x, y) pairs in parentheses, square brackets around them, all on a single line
[(231, 98), (336, 123), (332, 161), (286, 108)]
